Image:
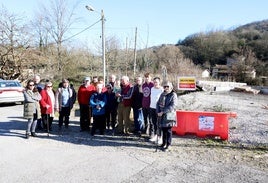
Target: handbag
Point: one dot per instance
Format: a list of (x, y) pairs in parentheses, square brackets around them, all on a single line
[(171, 116)]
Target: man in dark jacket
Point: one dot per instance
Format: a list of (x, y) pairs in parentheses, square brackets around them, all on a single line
[(137, 106)]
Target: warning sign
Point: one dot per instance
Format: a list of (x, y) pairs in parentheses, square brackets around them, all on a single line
[(186, 83), (206, 123)]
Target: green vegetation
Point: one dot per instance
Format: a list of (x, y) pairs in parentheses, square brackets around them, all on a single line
[(247, 45)]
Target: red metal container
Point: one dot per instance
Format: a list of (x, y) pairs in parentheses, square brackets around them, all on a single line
[(203, 124)]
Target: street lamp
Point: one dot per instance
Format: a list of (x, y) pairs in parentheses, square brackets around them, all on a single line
[(103, 40)]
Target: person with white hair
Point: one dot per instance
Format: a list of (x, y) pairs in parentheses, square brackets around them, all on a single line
[(165, 107), (37, 83), (98, 101), (124, 106), (112, 79)]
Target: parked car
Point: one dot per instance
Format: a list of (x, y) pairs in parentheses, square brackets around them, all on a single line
[(11, 91)]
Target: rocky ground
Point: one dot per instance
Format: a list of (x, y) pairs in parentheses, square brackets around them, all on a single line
[(72, 156)]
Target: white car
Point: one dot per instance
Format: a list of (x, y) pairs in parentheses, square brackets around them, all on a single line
[(11, 91)]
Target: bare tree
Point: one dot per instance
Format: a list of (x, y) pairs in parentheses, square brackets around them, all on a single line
[(58, 19), (41, 33), (14, 44)]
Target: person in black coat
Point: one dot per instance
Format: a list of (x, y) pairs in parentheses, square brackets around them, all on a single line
[(110, 108), (137, 96)]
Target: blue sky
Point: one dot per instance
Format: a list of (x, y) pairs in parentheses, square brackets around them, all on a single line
[(157, 21)]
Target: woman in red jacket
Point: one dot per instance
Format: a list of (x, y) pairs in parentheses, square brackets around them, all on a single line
[(47, 105)]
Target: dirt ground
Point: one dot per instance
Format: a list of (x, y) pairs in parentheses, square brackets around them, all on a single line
[(73, 156)]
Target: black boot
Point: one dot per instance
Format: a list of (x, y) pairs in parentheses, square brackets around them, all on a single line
[(27, 135), (33, 134)]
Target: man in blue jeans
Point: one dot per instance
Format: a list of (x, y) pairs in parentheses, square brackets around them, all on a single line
[(137, 96)]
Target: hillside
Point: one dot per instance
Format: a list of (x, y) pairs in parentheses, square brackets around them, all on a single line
[(246, 45), (261, 26)]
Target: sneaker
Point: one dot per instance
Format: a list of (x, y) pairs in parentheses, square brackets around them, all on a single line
[(27, 135), (159, 141), (153, 138)]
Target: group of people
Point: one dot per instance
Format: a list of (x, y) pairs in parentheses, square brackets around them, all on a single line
[(41, 102), (108, 105)]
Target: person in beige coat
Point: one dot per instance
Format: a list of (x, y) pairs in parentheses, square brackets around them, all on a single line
[(31, 107)]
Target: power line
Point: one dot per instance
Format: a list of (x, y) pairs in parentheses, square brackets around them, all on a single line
[(81, 31)]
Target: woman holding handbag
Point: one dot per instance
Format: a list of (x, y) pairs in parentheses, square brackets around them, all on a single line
[(31, 110), (166, 110)]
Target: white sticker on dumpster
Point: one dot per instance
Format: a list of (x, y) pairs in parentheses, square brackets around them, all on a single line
[(206, 123)]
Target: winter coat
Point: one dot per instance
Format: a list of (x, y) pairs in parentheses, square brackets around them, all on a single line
[(167, 103), (126, 95), (31, 104), (112, 103), (84, 94), (46, 100), (137, 97)]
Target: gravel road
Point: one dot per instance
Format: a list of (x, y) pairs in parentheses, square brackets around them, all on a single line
[(72, 156)]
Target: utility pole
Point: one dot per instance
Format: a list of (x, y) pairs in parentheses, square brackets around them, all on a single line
[(126, 56), (103, 47), (135, 53), (103, 40)]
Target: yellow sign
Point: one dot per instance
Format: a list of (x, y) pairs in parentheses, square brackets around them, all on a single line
[(186, 83)]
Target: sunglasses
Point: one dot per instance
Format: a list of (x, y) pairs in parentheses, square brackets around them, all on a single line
[(109, 88), (166, 86)]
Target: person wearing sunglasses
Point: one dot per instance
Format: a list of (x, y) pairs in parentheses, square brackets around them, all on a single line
[(110, 108), (166, 104), (31, 107)]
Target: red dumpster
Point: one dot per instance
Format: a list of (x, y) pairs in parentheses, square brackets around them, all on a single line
[(203, 124)]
